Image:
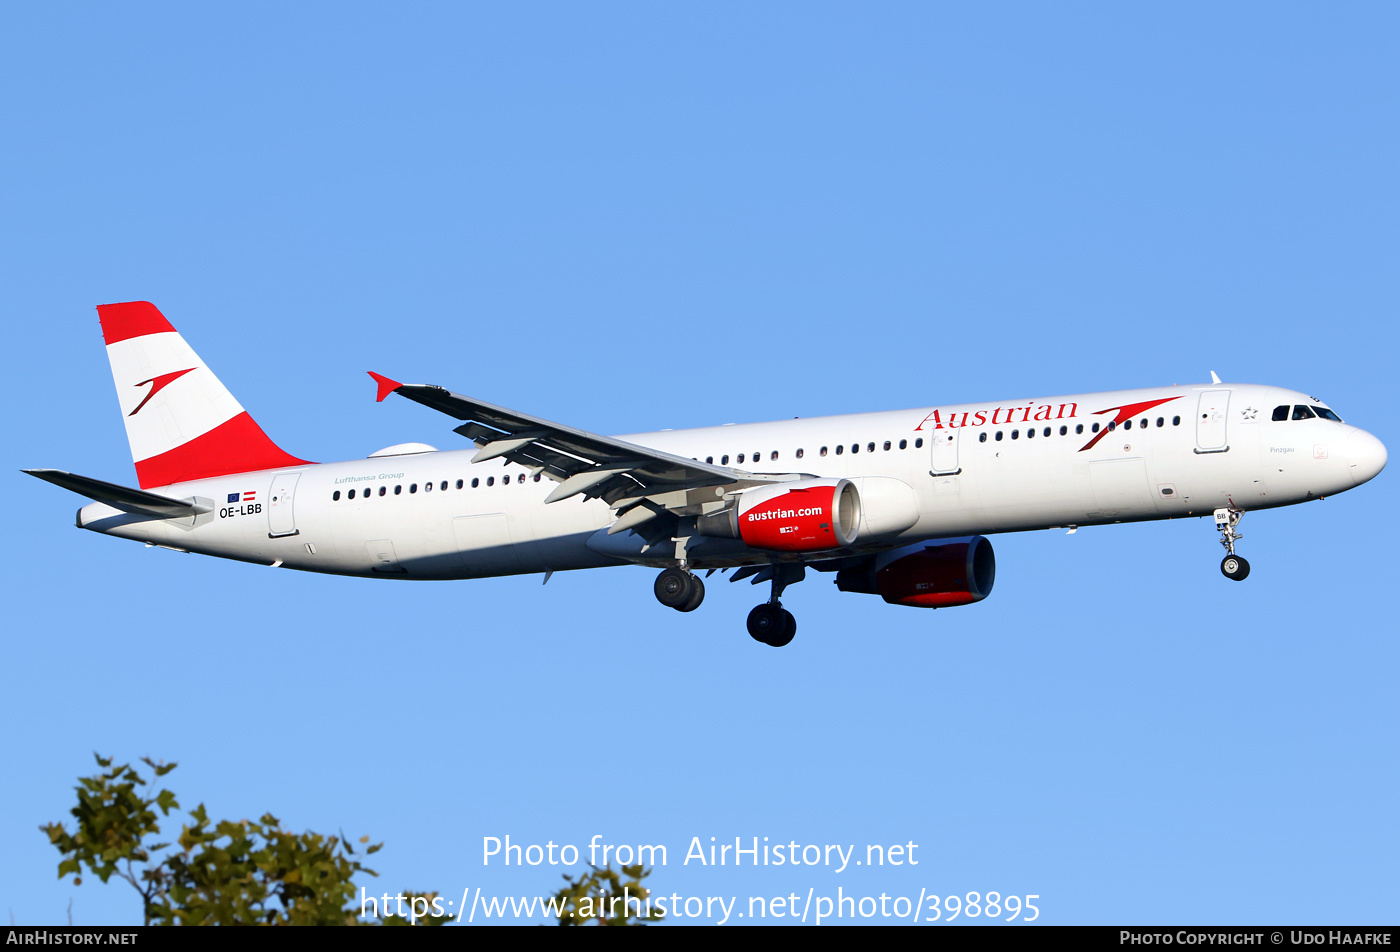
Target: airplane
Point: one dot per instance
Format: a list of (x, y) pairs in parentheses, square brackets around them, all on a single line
[(896, 504)]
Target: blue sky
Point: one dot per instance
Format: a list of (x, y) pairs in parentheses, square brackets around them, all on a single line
[(629, 217)]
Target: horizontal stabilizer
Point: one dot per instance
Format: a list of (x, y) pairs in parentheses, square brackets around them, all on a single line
[(124, 498)]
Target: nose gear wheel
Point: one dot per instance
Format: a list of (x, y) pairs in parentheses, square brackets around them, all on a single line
[(1233, 566)]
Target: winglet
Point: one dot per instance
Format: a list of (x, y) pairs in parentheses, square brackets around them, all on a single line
[(386, 386)]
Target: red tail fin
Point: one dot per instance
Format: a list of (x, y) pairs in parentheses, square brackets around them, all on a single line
[(181, 422)]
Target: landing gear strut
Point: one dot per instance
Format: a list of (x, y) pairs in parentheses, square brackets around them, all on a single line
[(1232, 566), (678, 589)]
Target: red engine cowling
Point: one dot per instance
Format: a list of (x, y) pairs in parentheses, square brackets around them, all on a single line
[(936, 574), (808, 515)]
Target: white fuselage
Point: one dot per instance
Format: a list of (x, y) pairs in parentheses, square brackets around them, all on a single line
[(974, 469)]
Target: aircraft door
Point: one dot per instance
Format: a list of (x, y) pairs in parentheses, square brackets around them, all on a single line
[(382, 557), (944, 452), (484, 544), (280, 520), (1211, 414)]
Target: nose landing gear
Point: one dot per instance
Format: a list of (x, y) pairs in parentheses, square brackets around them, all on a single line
[(1232, 566), (679, 589)]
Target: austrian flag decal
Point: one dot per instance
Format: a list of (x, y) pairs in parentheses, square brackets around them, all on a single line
[(246, 497)]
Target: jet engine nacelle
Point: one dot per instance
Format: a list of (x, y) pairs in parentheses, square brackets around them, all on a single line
[(935, 574), (812, 515), (808, 515)]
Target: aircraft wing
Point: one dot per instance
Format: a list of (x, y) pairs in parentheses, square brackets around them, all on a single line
[(637, 481)]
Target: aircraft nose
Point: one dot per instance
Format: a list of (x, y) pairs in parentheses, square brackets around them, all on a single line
[(1366, 456)]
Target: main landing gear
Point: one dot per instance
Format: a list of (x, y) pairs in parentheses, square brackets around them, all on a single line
[(769, 623), (772, 624), (1232, 566), (679, 589)]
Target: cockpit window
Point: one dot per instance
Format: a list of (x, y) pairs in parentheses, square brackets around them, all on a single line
[(1281, 413), (1301, 412), (1327, 414)]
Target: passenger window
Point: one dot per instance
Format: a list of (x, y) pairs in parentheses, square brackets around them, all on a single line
[(724, 460), (537, 477), (1327, 414), (1160, 421), (490, 481), (1015, 434), (459, 484), (982, 437), (709, 459), (1301, 412), (739, 458), (443, 487), (383, 490), (476, 481), (1078, 428), (1127, 424), (855, 447), (887, 446), (919, 443), (1030, 434), (799, 452), (870, 447), (350, 494), (1094, 428), (998, 436), (398, 490), (427, 487), (1176, 421), (903, 444), (1064, 431), (335, 496), (1046, 432), (1143, 423), (773, 455), (840, 449), (823, 451), (412, 488)]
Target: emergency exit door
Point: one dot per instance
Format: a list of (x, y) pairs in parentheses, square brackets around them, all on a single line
[(945, 452)]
